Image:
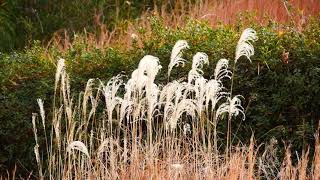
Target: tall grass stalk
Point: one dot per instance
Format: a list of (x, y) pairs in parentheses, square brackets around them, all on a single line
[(244, 48)]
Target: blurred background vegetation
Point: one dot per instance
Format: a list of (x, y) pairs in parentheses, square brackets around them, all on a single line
[(101, 38), (23, 21)]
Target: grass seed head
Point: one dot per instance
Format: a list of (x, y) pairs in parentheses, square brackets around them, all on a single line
[(42, 112), (176, 55), (199, 59), (221, 71), (150, 66), (78, 145), (60, 70), (232, 106), (244, 46)]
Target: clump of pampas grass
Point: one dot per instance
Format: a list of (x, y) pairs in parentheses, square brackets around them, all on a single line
[(153, 131)]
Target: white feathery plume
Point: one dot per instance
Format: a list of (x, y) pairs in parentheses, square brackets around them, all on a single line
[(129, 88), (193, 75), (221, 71), (167, 97), (137, 81), (198, 60), (94, 100), (232, 106), (200, 92), (110, 93), (126, 108), (181, 92), (214, 93), (176, 55), (187, 106), (56, 124), (87, 94), (149, 65), (244, 46), (60, 70), (42, 112), (154, 92), (200, 85), (134, 75), (152, 98), (167, 93), (170, 96), (127, 102), (94, 104), (236, 107), (172, 91), (78, 145)]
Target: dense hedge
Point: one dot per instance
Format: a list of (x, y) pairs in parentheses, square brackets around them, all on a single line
[(282, 94)]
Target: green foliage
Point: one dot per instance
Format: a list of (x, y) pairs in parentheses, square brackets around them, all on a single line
[(282, 99), (23, 21), (7, 27)]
